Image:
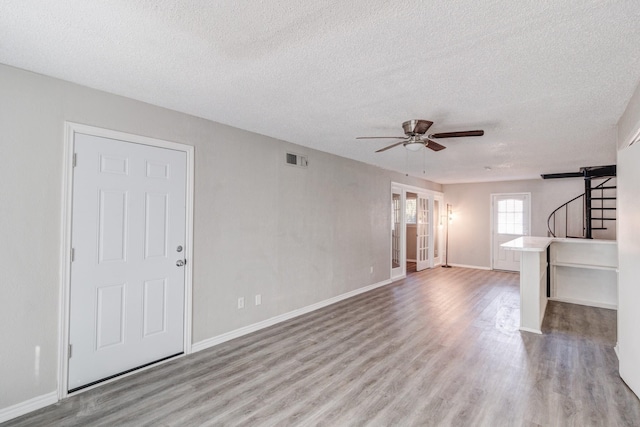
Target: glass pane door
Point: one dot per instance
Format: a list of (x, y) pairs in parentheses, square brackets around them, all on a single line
[(395, 230), (422, 250)]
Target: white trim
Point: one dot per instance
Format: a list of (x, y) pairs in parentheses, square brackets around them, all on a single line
[(65, 261), (210, 342), (587, 303), (411, 260), (27, 406), (476, 267), (634, 138), (413, 189), (70, 129)]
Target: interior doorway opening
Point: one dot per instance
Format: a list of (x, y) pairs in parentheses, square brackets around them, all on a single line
[(416, 228)]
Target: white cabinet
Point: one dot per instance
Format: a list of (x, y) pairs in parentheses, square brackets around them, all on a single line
[(584, 272), (533, 279)]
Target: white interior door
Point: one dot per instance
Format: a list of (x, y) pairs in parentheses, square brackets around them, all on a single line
[(423, 227), (128, 235), (511, 219)]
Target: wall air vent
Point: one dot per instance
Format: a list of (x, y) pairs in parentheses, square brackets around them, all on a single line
[(297, 160)]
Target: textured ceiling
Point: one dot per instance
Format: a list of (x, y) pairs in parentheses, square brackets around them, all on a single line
[(547, 80)]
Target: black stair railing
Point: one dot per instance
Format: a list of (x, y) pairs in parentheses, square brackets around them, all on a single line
[(585, 200), (601, 209)]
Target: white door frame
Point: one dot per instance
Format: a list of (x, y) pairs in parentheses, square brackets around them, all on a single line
[(70, 130), (492, 212), (405, 188)]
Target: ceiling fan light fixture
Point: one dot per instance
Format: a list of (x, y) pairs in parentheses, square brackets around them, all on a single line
[(414, 146)]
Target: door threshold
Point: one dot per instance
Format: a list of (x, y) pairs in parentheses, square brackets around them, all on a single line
[(124, 373)]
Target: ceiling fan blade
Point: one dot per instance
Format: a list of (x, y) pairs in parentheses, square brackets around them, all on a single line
[(457, 134), (434, 145), (422, 126), (390, 146), (381, 137)]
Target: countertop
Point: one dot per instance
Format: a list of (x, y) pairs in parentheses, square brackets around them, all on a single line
[(539, 244), (528, 244)]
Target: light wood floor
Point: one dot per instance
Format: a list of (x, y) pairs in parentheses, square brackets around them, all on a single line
[(411, 267), (436, 349)]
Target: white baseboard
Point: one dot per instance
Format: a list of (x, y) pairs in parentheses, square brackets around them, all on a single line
[(27, 406), (210, 342), (587, 303), (395, 279), (477, 267)]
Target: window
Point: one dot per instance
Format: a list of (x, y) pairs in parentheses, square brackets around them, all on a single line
[(511, 216)]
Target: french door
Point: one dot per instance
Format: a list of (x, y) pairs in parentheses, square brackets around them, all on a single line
[(423, 256), (428, 228), (397, 237)]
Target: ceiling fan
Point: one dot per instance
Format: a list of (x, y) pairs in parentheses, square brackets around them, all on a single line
[(415, 138)]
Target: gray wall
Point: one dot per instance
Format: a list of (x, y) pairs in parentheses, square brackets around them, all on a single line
[(295, 236), (470, 233)]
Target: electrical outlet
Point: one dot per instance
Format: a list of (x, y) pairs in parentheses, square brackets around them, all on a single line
[(241, 302), (258, 299), (371, 270)]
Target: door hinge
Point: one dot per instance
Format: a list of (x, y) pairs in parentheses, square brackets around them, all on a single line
[(70, 350), (75, 159), (73, 254)]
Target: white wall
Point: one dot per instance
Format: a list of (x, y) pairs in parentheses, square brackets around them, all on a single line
[(629, 245), (629, 122), (295, 236), (470, 232)]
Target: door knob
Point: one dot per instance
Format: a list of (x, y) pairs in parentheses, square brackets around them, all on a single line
[(181, 262)]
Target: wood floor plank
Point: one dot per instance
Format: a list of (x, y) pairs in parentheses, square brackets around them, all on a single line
[(441, 347)]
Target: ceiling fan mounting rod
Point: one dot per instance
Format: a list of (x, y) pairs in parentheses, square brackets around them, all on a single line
[(416, 127)]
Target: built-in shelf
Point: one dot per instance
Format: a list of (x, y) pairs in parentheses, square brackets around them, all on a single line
[(588, 303), (580, 271), (584, 272), (588, 266)]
